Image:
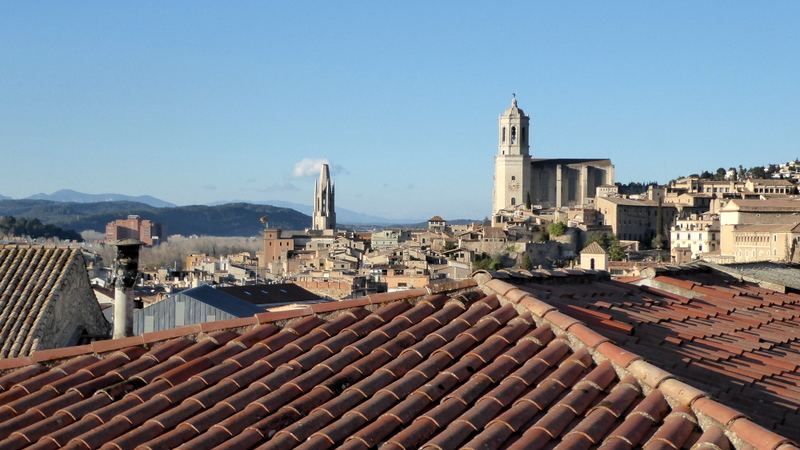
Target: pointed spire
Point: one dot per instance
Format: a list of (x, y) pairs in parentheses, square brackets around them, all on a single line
[(324, 215)]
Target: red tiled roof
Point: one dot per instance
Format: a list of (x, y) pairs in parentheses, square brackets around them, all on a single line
[(444, 370), (733, 339)]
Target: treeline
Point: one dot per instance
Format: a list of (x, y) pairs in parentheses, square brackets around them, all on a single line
[(739, 173), (233, 219), (33, 228), (173, 252), (635, 187)]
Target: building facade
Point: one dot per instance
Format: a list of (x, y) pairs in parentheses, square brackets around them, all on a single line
[(276, 251), (324, 215), (770, 186), (776, 243), (694, 236), (520, 180), (134, 227), (635, 220), (738, 212)]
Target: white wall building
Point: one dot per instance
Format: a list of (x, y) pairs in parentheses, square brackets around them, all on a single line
[(698, 233)]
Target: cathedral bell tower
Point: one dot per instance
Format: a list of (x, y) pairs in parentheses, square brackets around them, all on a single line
[(324, 215), (512, 164)]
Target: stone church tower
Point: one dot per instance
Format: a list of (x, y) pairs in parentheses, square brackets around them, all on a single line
[(324, 216), (512, 164)]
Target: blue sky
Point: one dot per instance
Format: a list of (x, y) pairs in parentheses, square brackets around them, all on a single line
[(198, 102)]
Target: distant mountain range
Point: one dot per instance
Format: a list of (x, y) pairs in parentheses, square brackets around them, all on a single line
[(233, 219), (70, 196), (80, 211), (343, 216)]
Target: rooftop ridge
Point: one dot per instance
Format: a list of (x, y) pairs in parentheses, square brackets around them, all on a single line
[(740, 430), (50, 356)]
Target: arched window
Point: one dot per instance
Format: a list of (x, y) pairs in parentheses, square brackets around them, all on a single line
[(513, 135), (504, 135), (513, 178), (591, 263), (513, 201)]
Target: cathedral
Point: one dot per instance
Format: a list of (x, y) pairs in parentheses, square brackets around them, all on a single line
[(521, 181), (324, 215)]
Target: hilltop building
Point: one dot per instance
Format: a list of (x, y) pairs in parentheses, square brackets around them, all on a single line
[(746, 233), (324, 216), (134, 227), (593, 257), (520, 179), (694, 236)]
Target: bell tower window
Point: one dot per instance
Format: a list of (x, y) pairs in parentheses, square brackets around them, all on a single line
[(513, 135), (504, 135)]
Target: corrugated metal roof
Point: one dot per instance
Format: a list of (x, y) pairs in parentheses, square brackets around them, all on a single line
[(261, 294)]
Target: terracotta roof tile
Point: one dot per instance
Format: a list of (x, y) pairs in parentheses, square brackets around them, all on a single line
[(401, 371)]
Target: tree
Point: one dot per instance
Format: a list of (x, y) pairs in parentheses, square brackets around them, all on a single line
[(615, 251), (610, 244), (758, 172), (34, 228), (720, 174), (556, 229), (528, 200), (706, 175), (524, 261), (486, 262)]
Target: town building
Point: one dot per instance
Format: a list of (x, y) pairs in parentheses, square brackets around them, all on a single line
[(205, 304), (198, 305), (134, 227), (437, 224), (637, 220), (276, 251), (697, 185), (767, 242), (387, 239), (520, 180), (770, 186), (324, 214), (594, 257), (46, 301), (789, 170), (738, 212), (699, 234), (607, 190)]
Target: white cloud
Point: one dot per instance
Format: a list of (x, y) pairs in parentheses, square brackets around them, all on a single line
[(311, 167), (308, 167)]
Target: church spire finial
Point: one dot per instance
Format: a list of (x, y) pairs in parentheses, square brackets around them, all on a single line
[(513, 99)]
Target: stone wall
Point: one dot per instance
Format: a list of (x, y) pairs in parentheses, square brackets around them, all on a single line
[(329, 289), (72, 309)]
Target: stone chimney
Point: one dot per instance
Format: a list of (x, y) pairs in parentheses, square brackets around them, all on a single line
[(126, 269)]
